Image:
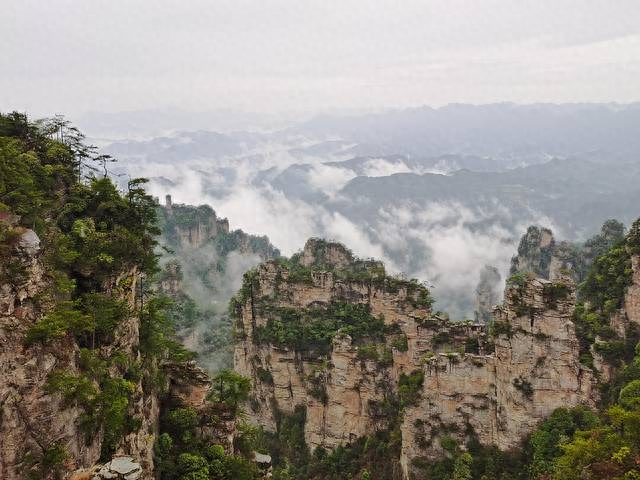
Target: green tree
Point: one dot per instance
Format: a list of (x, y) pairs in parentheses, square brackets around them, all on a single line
[(230, 388), (462, 467), (630, 395)]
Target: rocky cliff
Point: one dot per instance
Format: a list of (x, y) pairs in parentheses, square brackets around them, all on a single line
[(184, 225), (540, 253), (35, 422), (338, 338), (93, 383), (502, 396)]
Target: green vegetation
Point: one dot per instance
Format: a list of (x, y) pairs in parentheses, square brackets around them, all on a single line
[(374, 457), (198, 247), (182, 218), (555, 292), (633, 238), (358, 270), (608, 448), (498, 327), (95, 241), (600, 295), (524, 386), (579, 443), (97, 245), (518, 279), (230, 388), (50, 463), (377, 352), (607, 280), (313, 329), (410, 388), (182, 454), (401, 343)]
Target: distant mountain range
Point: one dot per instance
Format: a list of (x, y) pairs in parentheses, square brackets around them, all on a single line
[(414, 186)]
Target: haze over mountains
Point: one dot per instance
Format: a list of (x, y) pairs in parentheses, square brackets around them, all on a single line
[(436, 193)]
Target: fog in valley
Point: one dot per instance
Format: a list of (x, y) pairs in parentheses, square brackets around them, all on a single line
[(438, 194)]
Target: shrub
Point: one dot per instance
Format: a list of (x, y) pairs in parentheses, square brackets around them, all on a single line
[(410, 387), (554, 292), (498, 328), (523, 386), (368, 352), (401, 344), (630, 395), (230, 388)]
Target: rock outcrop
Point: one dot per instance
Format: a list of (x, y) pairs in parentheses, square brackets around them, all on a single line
[(34, 421), (501, 397), (448, 377), (191, 226), (540, 253), (632, 296), (119, 468)]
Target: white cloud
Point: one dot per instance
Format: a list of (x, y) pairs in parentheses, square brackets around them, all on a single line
[(329, 179)]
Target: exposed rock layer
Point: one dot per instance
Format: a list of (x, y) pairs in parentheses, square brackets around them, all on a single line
[(31, 420), (500, 395)]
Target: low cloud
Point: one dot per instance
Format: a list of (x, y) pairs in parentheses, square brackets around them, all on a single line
[(446, 244)]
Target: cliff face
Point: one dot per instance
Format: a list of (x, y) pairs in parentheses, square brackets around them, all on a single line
[(339, 388), (85, 347), (45, 431), (501, 397), (30, 419), (34, 421), (191, 226), (446, 377), (631, 304)]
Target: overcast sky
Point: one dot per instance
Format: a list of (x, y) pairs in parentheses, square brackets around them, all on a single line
[(313, 55)]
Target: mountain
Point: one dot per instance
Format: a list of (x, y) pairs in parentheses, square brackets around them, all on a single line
[(503, 131), (343, 368), (435, 193), (353, 372)]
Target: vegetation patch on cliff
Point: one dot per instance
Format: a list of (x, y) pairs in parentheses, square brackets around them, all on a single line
[(313, 329)]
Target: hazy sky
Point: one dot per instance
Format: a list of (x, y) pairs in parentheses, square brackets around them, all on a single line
[(310, 55)]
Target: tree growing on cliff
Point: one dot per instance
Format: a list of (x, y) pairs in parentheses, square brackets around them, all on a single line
[(230, 388), (462, 467)]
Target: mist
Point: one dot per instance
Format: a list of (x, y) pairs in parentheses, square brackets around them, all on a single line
[(446, 244), (210, 337)]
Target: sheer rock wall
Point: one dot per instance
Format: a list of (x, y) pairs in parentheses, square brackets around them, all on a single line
[(500, 395)]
